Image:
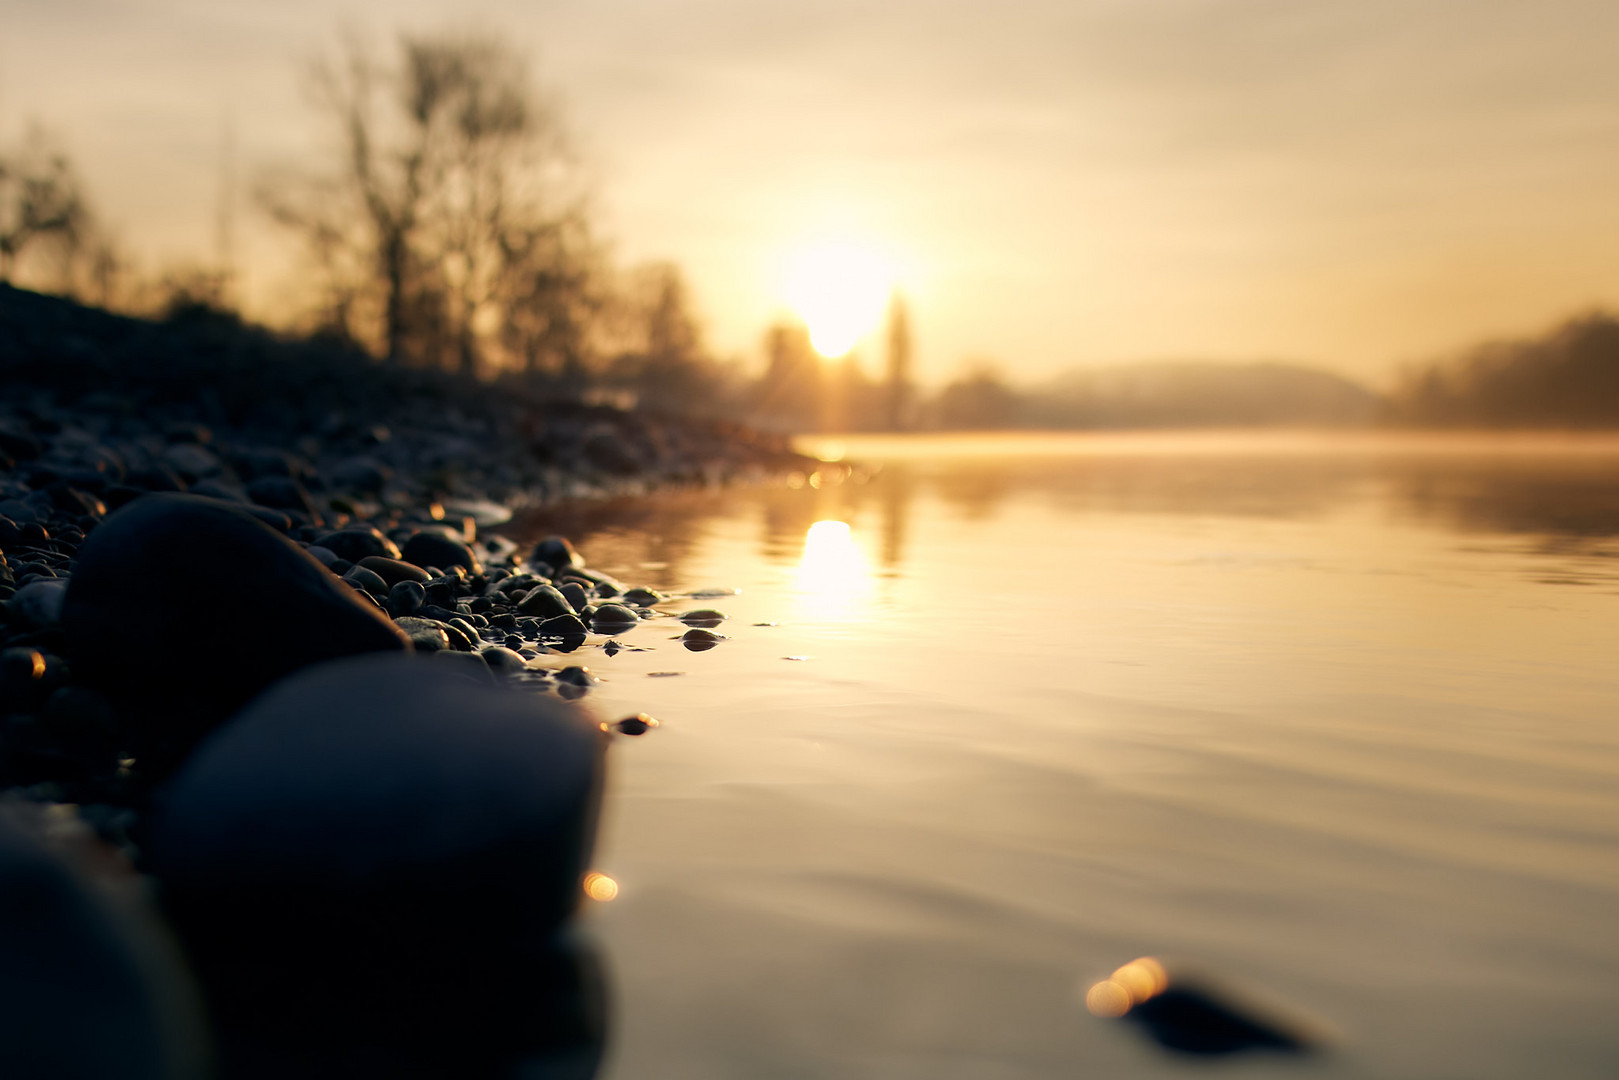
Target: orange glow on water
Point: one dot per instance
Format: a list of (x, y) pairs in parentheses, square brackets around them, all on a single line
[(1127, 987), (599, 887)]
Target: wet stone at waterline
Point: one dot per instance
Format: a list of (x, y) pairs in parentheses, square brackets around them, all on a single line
[(699, 640), (614, 619)]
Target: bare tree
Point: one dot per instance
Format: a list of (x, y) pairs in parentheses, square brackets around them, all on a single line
[(449, 226), (40, 203)]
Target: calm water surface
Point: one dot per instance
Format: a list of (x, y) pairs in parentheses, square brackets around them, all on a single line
[(1337, 722)]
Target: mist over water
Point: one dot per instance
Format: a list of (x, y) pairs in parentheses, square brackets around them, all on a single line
[(1330, 719)]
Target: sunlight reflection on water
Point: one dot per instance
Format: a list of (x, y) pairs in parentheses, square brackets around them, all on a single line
[(834, 578)]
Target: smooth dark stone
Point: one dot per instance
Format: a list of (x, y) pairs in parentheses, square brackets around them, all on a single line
[(557, 553), (566, 629), (406, 598), (575, 594), (362, 578), (502, 658), (512, 641), (441, 591), (40, 603), (394, 571), (427, 635), (379, 853), (434, 611), (577, 676), (468, 629), (707, 618), (146, 653), (642, 597), (614, 619), (88, 985), (545, 601), (699, 640), (639, 724), (428, 548), (459, 641), (357, 542)]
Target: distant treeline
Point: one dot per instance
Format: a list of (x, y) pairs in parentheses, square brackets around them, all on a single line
[(446, 225), (1566, 379)]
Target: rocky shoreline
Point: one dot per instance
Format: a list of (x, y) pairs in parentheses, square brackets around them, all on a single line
[(260, 656)]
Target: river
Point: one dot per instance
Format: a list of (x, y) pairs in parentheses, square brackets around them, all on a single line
[(1333, 720)]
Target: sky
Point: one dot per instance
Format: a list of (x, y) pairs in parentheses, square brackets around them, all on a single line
[(1357, 184)]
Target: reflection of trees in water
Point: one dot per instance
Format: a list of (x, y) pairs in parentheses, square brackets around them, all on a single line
[(1550, 495), (1558, 496), (1257, 486)]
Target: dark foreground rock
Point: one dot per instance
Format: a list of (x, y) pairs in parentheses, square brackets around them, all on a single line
[(181, 609), (416, 839), (89, 985)]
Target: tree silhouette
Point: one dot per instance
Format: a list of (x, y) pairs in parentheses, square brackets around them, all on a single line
[(448, 225), (40, 202)]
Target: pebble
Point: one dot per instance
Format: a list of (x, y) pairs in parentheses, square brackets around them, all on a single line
[(39, 604), (707, 618), (557, 553), (699, 640), (502, 658), (365, 579), (564, 629), (394, 571), (575, 594), (577, 675), (545, 601), (614, 619), (406, 598), (359, 542), (429, 548), (641, 597), (639, 724), (426, 635)]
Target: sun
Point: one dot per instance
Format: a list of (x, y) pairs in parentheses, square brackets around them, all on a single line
[(840, 291)]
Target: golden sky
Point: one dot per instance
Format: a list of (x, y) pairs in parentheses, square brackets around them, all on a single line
[(1355, 183)]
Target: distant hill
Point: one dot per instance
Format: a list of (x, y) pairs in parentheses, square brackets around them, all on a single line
[(1200, 394), (1568, 378)]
